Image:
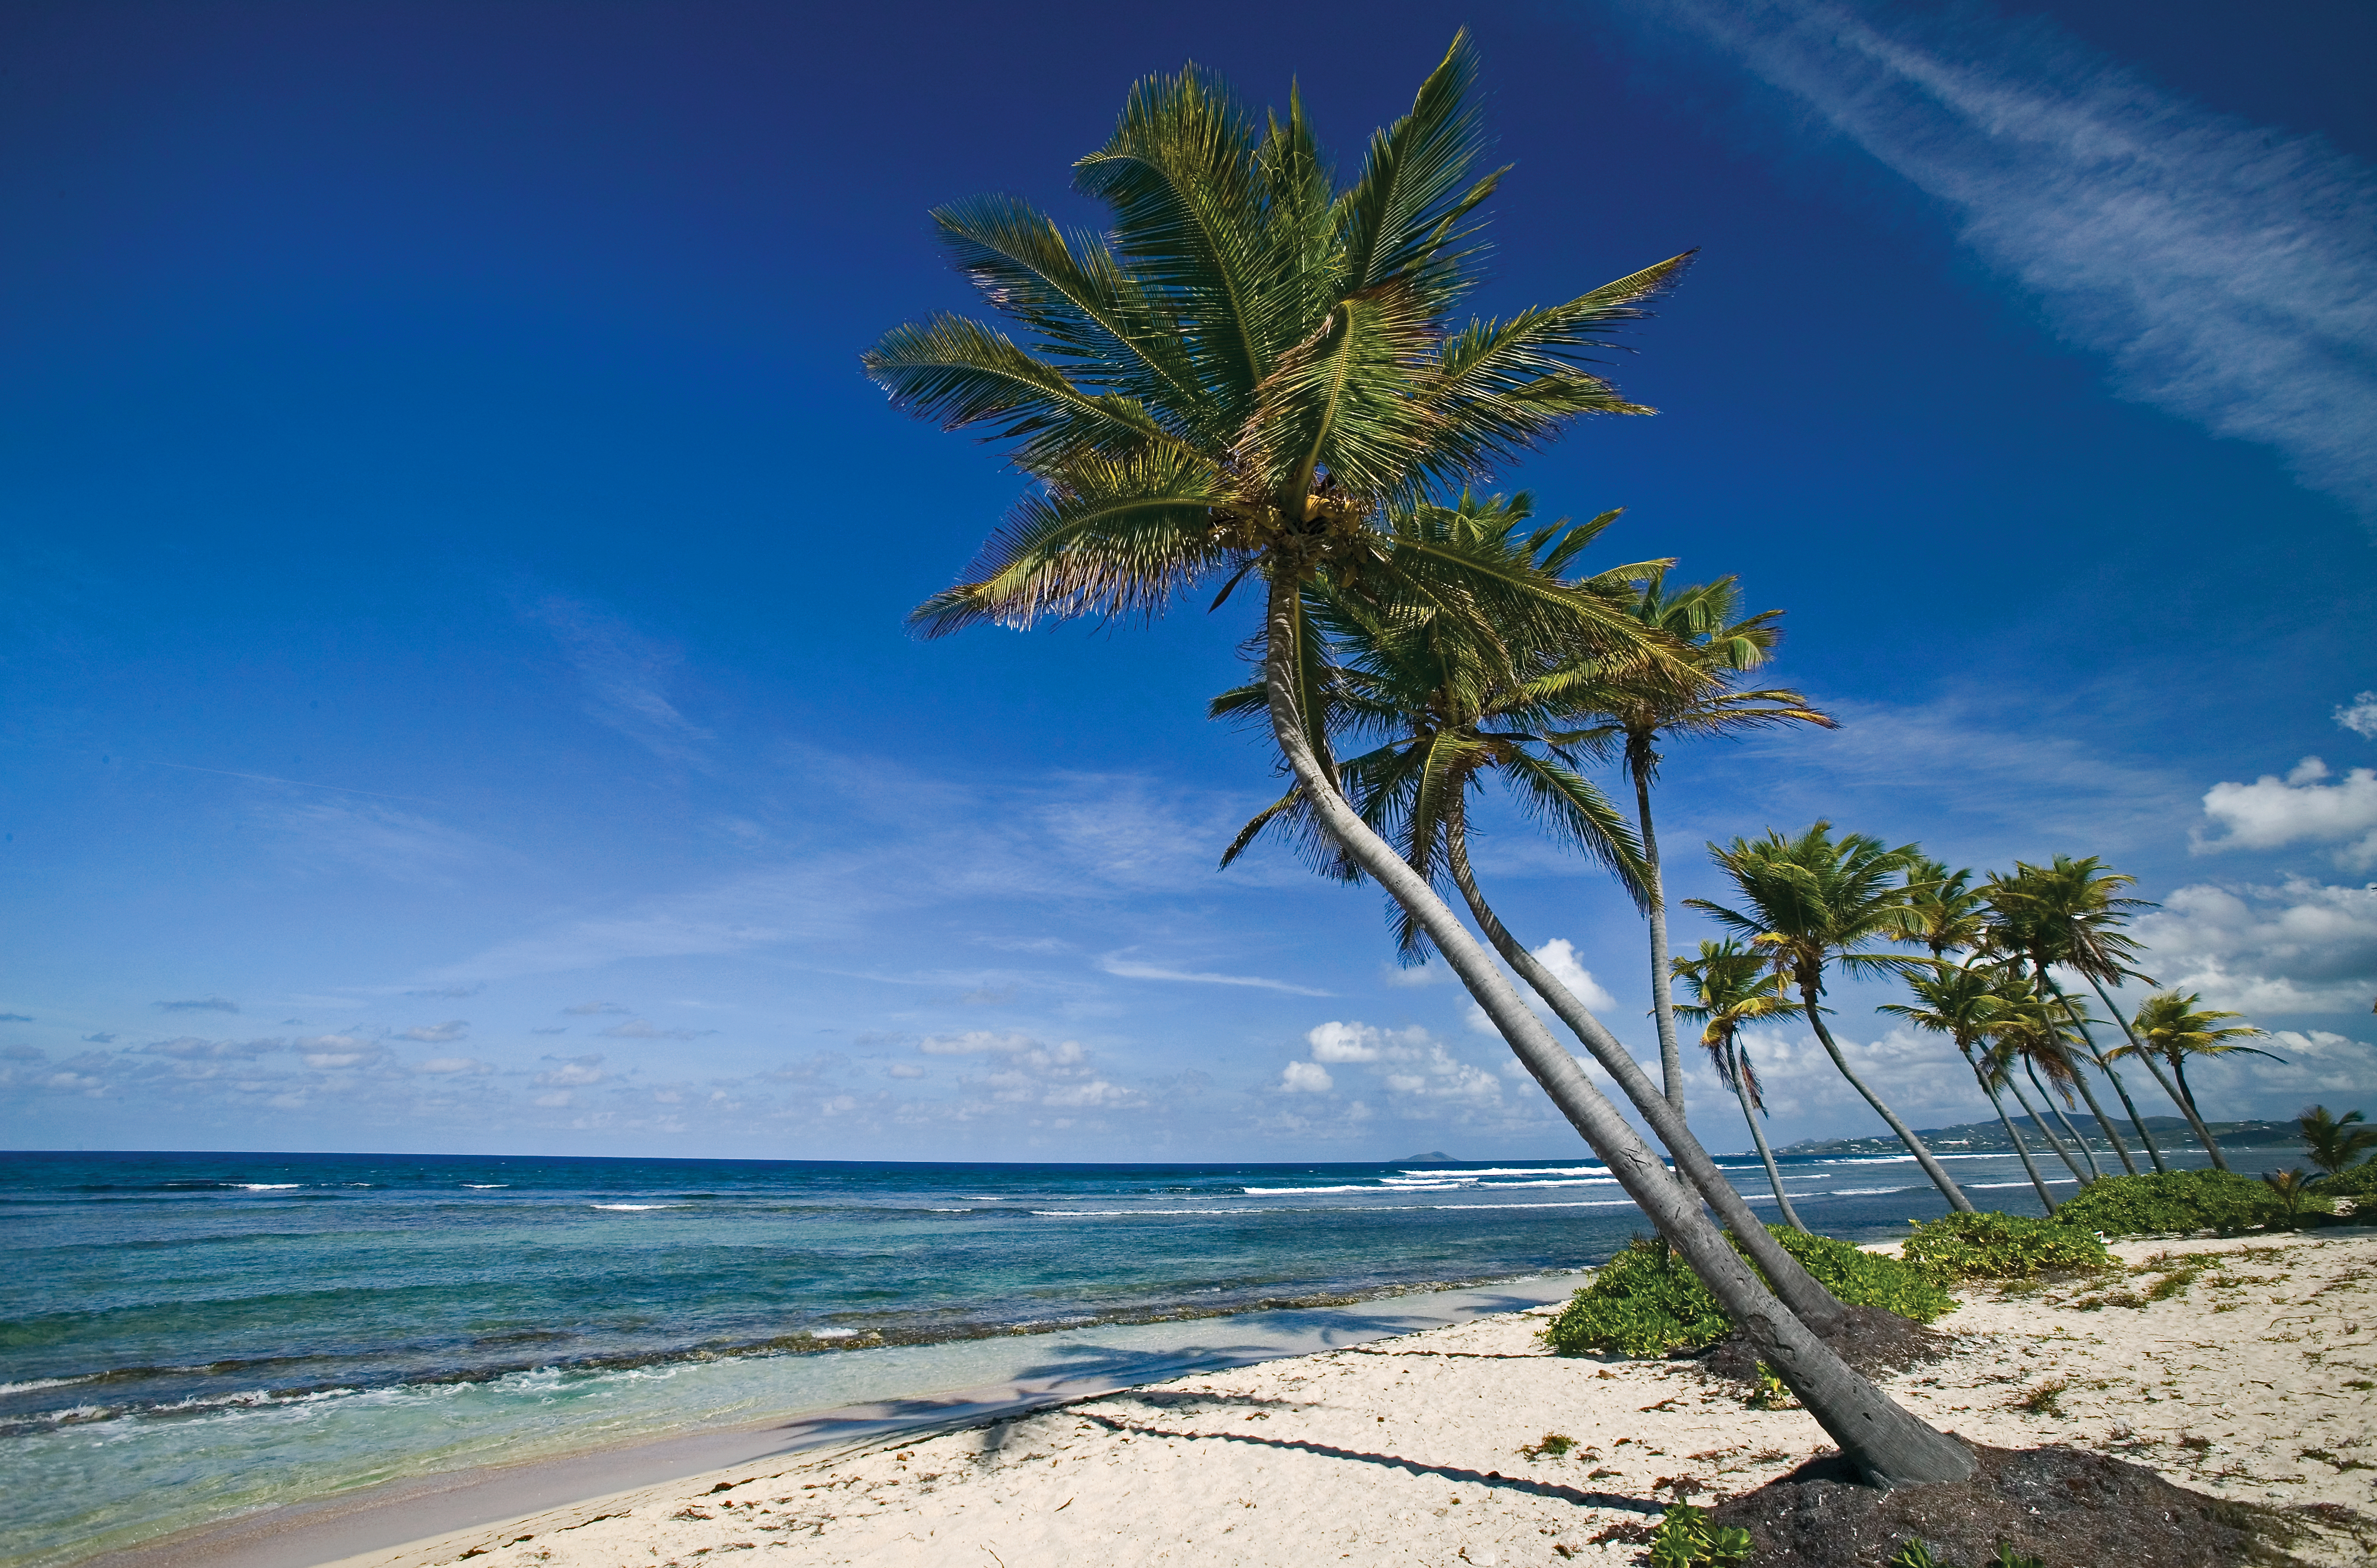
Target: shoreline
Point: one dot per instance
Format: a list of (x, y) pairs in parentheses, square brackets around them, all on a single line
[(2228, 1376), (369, 1523)]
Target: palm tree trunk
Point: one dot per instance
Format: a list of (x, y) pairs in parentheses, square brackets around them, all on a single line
[(2212, 1146), (1663, 993), (1810, 993), (1814, 1305), (2112, 1134), (2195, 1123), (2048, 1132), (1758, 1136), (1885, 1442), (2080, 1080), (2006, 1121), (2070, 1131)]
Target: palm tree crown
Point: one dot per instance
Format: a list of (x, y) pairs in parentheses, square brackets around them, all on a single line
[(1815, 900), (1255, 368), (1448, 715)]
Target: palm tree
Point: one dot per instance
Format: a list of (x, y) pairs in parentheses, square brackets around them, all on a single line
[(1246, 379), (1720, 645), (2023, 929), (2174, 1029), (1450, 718), (2335, 1142), (2074, 911), (1815, 900), (1731, 987), (1950, 913), (2037, 1034), (1967, 1005)]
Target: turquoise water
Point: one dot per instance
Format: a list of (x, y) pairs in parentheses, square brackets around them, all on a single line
[(184, 1336)]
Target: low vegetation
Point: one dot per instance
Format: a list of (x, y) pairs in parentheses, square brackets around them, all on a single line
[(1684, 1538), (1646, 1301), (2178, 1202), (1989, 1245)]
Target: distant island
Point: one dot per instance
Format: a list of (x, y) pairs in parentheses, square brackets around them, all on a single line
[(1989, 1137), (1434, 1156)]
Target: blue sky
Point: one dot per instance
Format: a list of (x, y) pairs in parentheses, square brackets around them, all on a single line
[(456, 694)]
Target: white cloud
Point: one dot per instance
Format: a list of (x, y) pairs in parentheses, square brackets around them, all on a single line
[(2360, 715), (2223, 266), (442, 1065), (1130, 969), (904, 1070), (2302, 947), (2272, 812), (438, 1034), (1305, 1077), (1416, 1061), (573, 1073), (1336, 1042), (1559, 956)]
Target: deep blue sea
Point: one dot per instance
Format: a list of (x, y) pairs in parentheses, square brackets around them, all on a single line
[(185, 1336)]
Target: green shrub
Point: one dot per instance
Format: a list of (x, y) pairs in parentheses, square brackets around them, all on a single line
[(1646, 1301), (1684, 1538), (2000, 1246), (2360, 1181), (2178, 1200)]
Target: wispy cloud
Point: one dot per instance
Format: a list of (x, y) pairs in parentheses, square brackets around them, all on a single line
[(1131, 969), (639, 1029), (624, 677), (201, 1005), (2224, 268)]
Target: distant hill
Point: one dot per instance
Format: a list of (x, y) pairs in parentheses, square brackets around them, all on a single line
[(1989, 1137), (1434, 1156)]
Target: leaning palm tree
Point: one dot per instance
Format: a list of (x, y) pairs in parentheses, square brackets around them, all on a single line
[(1450, 717), (1967, 1004), (1244, 380), (1634, 713), (1732, 986), (2037, 1036), (1814, 900), (2173, 1027), (1950, 913), (2022, 930), (2073, 911)]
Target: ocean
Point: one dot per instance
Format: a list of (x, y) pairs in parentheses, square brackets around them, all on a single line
[(189, 1336)]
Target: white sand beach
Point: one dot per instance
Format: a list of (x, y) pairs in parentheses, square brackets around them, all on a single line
[(2244, 1369)]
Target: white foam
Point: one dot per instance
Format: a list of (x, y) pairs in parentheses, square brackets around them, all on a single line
[(485, 1186), (268, 1186), (634, 1208), (1517, 1170), (29, 1386), (1179, 1213), (1570, 1203)]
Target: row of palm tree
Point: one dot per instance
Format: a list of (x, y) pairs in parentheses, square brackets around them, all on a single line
[(1815, 903), (1256, 377)]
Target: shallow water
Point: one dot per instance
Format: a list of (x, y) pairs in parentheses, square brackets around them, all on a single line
[(186, 1336)]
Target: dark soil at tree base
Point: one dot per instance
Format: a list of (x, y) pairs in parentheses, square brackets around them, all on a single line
[(1867, 1338), (2065, 1506)]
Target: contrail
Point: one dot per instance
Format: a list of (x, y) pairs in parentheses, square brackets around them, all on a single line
[(2228, 270)]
